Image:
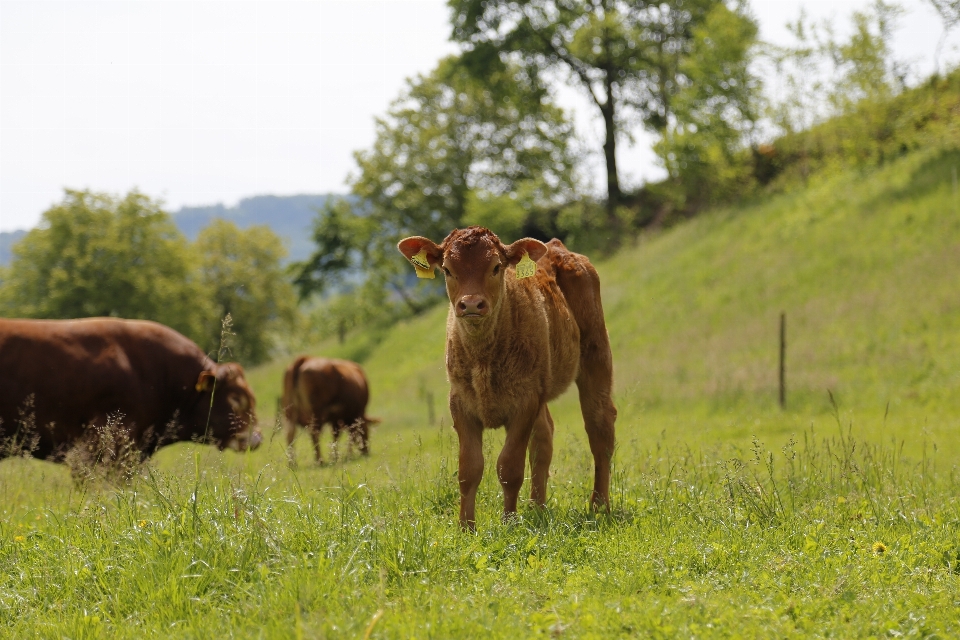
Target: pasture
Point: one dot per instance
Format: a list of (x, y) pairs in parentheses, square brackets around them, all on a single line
[(730, 517)]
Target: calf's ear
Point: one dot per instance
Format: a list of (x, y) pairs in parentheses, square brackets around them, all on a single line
[(516, 251), (422, 253), (206, 380)]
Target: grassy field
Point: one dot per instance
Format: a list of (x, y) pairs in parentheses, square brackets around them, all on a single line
[(731, 518)]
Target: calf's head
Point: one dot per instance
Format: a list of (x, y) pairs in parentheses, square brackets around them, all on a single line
[(474, 262), (232, 414)]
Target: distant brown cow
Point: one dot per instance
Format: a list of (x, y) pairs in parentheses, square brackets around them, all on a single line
[(514, 342), (319, 391), (62, 380)]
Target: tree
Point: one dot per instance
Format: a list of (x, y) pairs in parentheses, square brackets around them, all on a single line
[(449, 145), (949, 11), (97, 255), (628, 56), (715, 110), (241, 274), (827, 77)]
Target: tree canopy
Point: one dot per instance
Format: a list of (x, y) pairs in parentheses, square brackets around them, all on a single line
[(241, 274), (95, 254), (99, 255), (629, 57), (450, 144)]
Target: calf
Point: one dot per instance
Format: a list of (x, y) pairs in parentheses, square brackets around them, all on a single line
[(525, 321), (317, 391)]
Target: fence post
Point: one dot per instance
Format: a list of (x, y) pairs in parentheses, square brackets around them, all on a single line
[(783, 358)]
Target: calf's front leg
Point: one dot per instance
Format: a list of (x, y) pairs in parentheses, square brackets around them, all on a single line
[(470, 433), (512, 460), (541, 453)]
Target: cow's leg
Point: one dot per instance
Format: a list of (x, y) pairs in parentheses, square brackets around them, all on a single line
[(512, 460), (290, 431), (470, 472), (364, 426), (315, 436), (541, 453), (595, 382), (336, 426)]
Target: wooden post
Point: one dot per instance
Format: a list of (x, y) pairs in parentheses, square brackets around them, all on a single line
[(956, 207), (783, 358)]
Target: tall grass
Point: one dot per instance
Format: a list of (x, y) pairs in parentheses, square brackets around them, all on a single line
[(827, 534)]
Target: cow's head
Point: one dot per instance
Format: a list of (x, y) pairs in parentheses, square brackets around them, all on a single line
[(232, 416), (474, 262)]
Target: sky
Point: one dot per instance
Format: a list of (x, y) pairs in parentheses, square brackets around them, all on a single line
[(203, 102)]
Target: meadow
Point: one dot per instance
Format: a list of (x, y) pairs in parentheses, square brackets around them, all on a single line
[(835, 517)]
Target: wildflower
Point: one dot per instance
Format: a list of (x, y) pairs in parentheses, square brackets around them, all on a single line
[(19, 538), (879, 548), (143, 523)]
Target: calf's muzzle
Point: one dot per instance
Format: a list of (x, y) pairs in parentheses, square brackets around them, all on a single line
[(472, 305)]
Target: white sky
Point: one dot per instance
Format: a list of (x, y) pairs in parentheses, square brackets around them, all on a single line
[(204, 102)]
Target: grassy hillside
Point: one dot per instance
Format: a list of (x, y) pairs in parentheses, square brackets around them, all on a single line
[(829, 524), (864, 264)]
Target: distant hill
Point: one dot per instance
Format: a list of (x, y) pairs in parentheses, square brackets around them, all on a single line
[(7, 240), (290, 217)]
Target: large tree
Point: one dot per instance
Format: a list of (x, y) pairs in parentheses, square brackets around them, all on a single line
[(715, 110), (98, 255), (949, 11), (449, 146), (628, 56), (242, 275)]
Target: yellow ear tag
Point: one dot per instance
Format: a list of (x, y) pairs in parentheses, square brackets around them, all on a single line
[(526, 267), (422, 265)]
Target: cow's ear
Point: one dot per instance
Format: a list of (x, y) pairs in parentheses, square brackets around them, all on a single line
[(525, 246), (423, 254), (206, 380)]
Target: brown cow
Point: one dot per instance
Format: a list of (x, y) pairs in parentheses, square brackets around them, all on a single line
[(513, 344), (62, 380), (318, 391)]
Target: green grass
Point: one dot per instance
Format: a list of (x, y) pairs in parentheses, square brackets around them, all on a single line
[(712, 533)]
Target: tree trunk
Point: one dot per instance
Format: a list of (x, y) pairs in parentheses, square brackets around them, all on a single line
[(414, 308), (610, 150)]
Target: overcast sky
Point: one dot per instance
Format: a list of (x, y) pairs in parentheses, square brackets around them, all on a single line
[(206, 102)]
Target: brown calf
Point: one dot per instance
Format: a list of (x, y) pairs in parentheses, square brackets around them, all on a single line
[(317, 391), (515, 343)]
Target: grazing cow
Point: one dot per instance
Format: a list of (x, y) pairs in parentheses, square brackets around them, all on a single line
[(63, 381), (317, 391), (516, 338)]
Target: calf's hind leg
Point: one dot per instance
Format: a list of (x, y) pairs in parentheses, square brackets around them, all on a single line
[(595, 383), (581, 287), (541, 453)]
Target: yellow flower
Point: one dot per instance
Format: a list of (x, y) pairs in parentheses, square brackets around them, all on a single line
[(879, 548), (143, 523), (19, 538)]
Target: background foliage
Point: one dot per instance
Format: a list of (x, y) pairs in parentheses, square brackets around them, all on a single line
[(99, 255)]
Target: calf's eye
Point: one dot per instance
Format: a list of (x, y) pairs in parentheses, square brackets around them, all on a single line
[(496, 270), (446, 271)]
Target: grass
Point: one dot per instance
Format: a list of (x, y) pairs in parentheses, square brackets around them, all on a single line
[(730, 517), (827, 537)]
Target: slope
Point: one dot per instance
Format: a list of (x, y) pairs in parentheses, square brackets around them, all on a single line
[(863, 263)]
